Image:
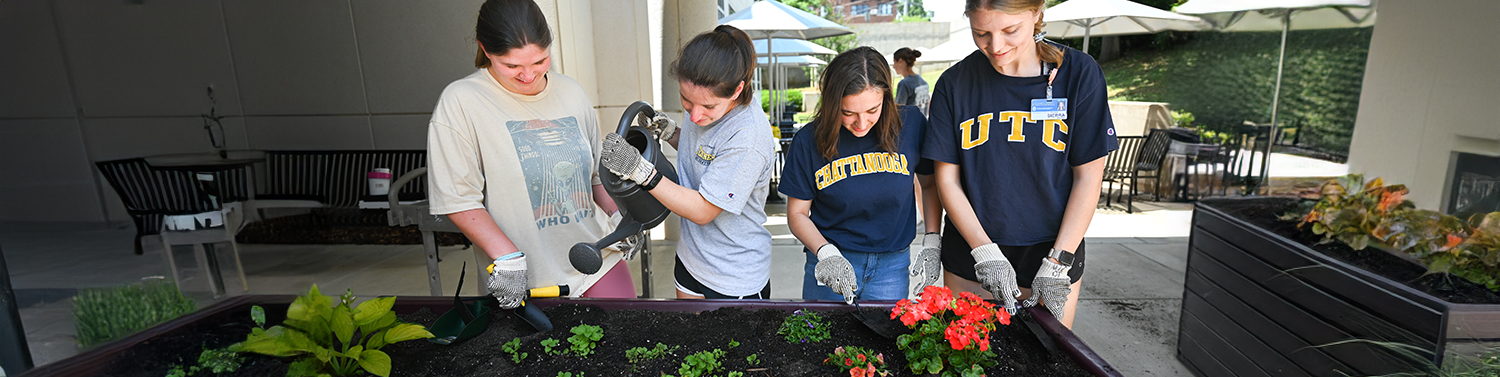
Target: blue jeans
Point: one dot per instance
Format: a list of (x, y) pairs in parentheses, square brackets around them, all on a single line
[(881, 276)]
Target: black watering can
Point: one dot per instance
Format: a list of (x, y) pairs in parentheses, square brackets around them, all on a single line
[(639, 210)]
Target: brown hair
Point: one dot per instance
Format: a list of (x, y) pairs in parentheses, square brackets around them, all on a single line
[(851, 73), (507, 24), (1046, 51), (719, 60), (908, 55)]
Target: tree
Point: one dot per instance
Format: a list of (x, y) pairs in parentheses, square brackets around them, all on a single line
[(824, 8)]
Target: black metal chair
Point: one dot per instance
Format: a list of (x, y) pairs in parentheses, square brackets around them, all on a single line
[(1119, 166), (1138, 154), (151, 195)]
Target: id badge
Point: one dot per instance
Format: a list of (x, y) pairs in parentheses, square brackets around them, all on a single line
[(1049, 109)]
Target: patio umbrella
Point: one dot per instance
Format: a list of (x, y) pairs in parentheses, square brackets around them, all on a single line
[(791, 61), (1268, 15), (1084, 18), (790, 47), (951, 51), (771, 19)]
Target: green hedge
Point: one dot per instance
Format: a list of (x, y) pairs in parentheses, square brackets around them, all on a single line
[(792, 97), (1225, 79), (105, 314)]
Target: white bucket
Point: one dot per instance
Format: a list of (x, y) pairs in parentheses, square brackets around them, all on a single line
[(380, 181)]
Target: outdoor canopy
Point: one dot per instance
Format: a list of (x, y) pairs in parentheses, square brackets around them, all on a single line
[(1083, 18), (771, 19), (790, 47)]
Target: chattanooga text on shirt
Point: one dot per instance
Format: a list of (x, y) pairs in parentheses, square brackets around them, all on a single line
[(861, 164)]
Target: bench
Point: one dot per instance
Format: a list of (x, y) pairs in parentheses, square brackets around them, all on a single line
[(331, 179)]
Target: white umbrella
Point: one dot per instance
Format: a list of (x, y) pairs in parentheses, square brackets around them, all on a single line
[(790, 47), (791, 61), (771, 19), (951, 51), (1083, 18), (1284, 15)]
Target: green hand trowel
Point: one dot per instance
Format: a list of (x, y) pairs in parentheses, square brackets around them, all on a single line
[(464, 321)]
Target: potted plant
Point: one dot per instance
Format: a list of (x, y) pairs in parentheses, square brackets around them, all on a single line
[(1280, 286)]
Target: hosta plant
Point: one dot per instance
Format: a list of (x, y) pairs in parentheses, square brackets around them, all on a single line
[(330, 336), (951, 335)]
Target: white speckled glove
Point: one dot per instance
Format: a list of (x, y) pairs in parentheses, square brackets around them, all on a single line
[(508, 280), (626, 162), (835, 272), (929, 262), (1052, 287), (996, 274), (664, 126)]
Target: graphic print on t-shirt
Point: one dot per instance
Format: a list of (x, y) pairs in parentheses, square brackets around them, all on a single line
[(860, 164), (555, 163)]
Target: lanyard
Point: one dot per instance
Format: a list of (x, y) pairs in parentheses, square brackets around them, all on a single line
[(1051, 74)]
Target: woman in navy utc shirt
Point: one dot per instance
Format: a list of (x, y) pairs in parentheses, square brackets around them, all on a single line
[(1019, 132), (850, 181)]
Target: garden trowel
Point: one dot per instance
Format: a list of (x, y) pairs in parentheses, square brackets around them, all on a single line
[(462, 322), (880, 324), (530, 313), (1026, 315)]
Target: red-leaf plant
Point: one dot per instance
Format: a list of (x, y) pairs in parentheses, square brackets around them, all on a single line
[(952, 335)]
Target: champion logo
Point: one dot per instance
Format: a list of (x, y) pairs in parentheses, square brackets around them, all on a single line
[(1111, 131), (731, 195)]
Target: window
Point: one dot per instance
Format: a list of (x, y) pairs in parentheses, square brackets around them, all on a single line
[(885, 9), (859, 10)]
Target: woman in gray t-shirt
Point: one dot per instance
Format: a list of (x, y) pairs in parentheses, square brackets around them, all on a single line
[(912, 90), (724, 171)]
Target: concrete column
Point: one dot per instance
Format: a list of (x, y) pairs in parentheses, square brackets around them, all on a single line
[(681, 20)]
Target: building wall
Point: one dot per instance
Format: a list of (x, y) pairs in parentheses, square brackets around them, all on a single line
[(90, 81), (1430, 89), (888, 37)]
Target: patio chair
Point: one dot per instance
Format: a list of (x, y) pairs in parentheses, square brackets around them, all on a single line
[(150, 195), (1150, 158), (1119, 166)]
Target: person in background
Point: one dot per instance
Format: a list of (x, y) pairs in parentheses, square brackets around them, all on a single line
[(913, 90), (1019, 172), (849, 181), (723, 168), (513, 155)]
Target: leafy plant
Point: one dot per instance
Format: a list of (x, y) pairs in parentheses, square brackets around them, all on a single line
[(1381, 214), (733, 343), (700, 364), (548, 344), (106, 314), (857, 362), (963, 323), (753, 359), (569, 374), (639, 354), (584, 339), (804, 326), (513, 347), (331, 337)]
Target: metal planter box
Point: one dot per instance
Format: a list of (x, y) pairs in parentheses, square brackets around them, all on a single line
[(94, 361), (1259, 304)]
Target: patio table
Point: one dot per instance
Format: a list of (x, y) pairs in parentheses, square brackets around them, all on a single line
[(203, 166)]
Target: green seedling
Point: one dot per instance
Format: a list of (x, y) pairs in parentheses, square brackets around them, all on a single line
[(804, 326), (513, 347), (549, 344), (584, 339), (701, 364)]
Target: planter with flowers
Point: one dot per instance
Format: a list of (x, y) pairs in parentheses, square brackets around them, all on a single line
[(631, 337), (1354, 282)]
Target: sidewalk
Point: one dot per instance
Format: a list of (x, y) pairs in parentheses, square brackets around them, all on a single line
[(1127, 312)]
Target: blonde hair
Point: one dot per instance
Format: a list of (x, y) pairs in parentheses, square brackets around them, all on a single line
[(1047, 52)]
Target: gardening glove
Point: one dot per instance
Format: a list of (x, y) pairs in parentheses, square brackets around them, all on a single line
[(996, 274), (929, 262), (835, 272), (626, 162), (664, 126), (1052, 286), (631, 245), (508, 280)]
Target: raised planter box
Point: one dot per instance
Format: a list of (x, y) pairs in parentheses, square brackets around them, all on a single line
[(95, 362), (1259, 304)]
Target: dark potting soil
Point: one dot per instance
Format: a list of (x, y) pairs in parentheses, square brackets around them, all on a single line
[(1263, 212), (338, 227), (755, 330)]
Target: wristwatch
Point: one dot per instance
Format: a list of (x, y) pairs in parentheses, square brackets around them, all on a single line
[(1063, 257)]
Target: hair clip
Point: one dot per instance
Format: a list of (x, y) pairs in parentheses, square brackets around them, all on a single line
[(1039, 36)]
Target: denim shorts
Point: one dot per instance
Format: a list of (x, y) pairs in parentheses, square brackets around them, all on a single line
[(881, 276)]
